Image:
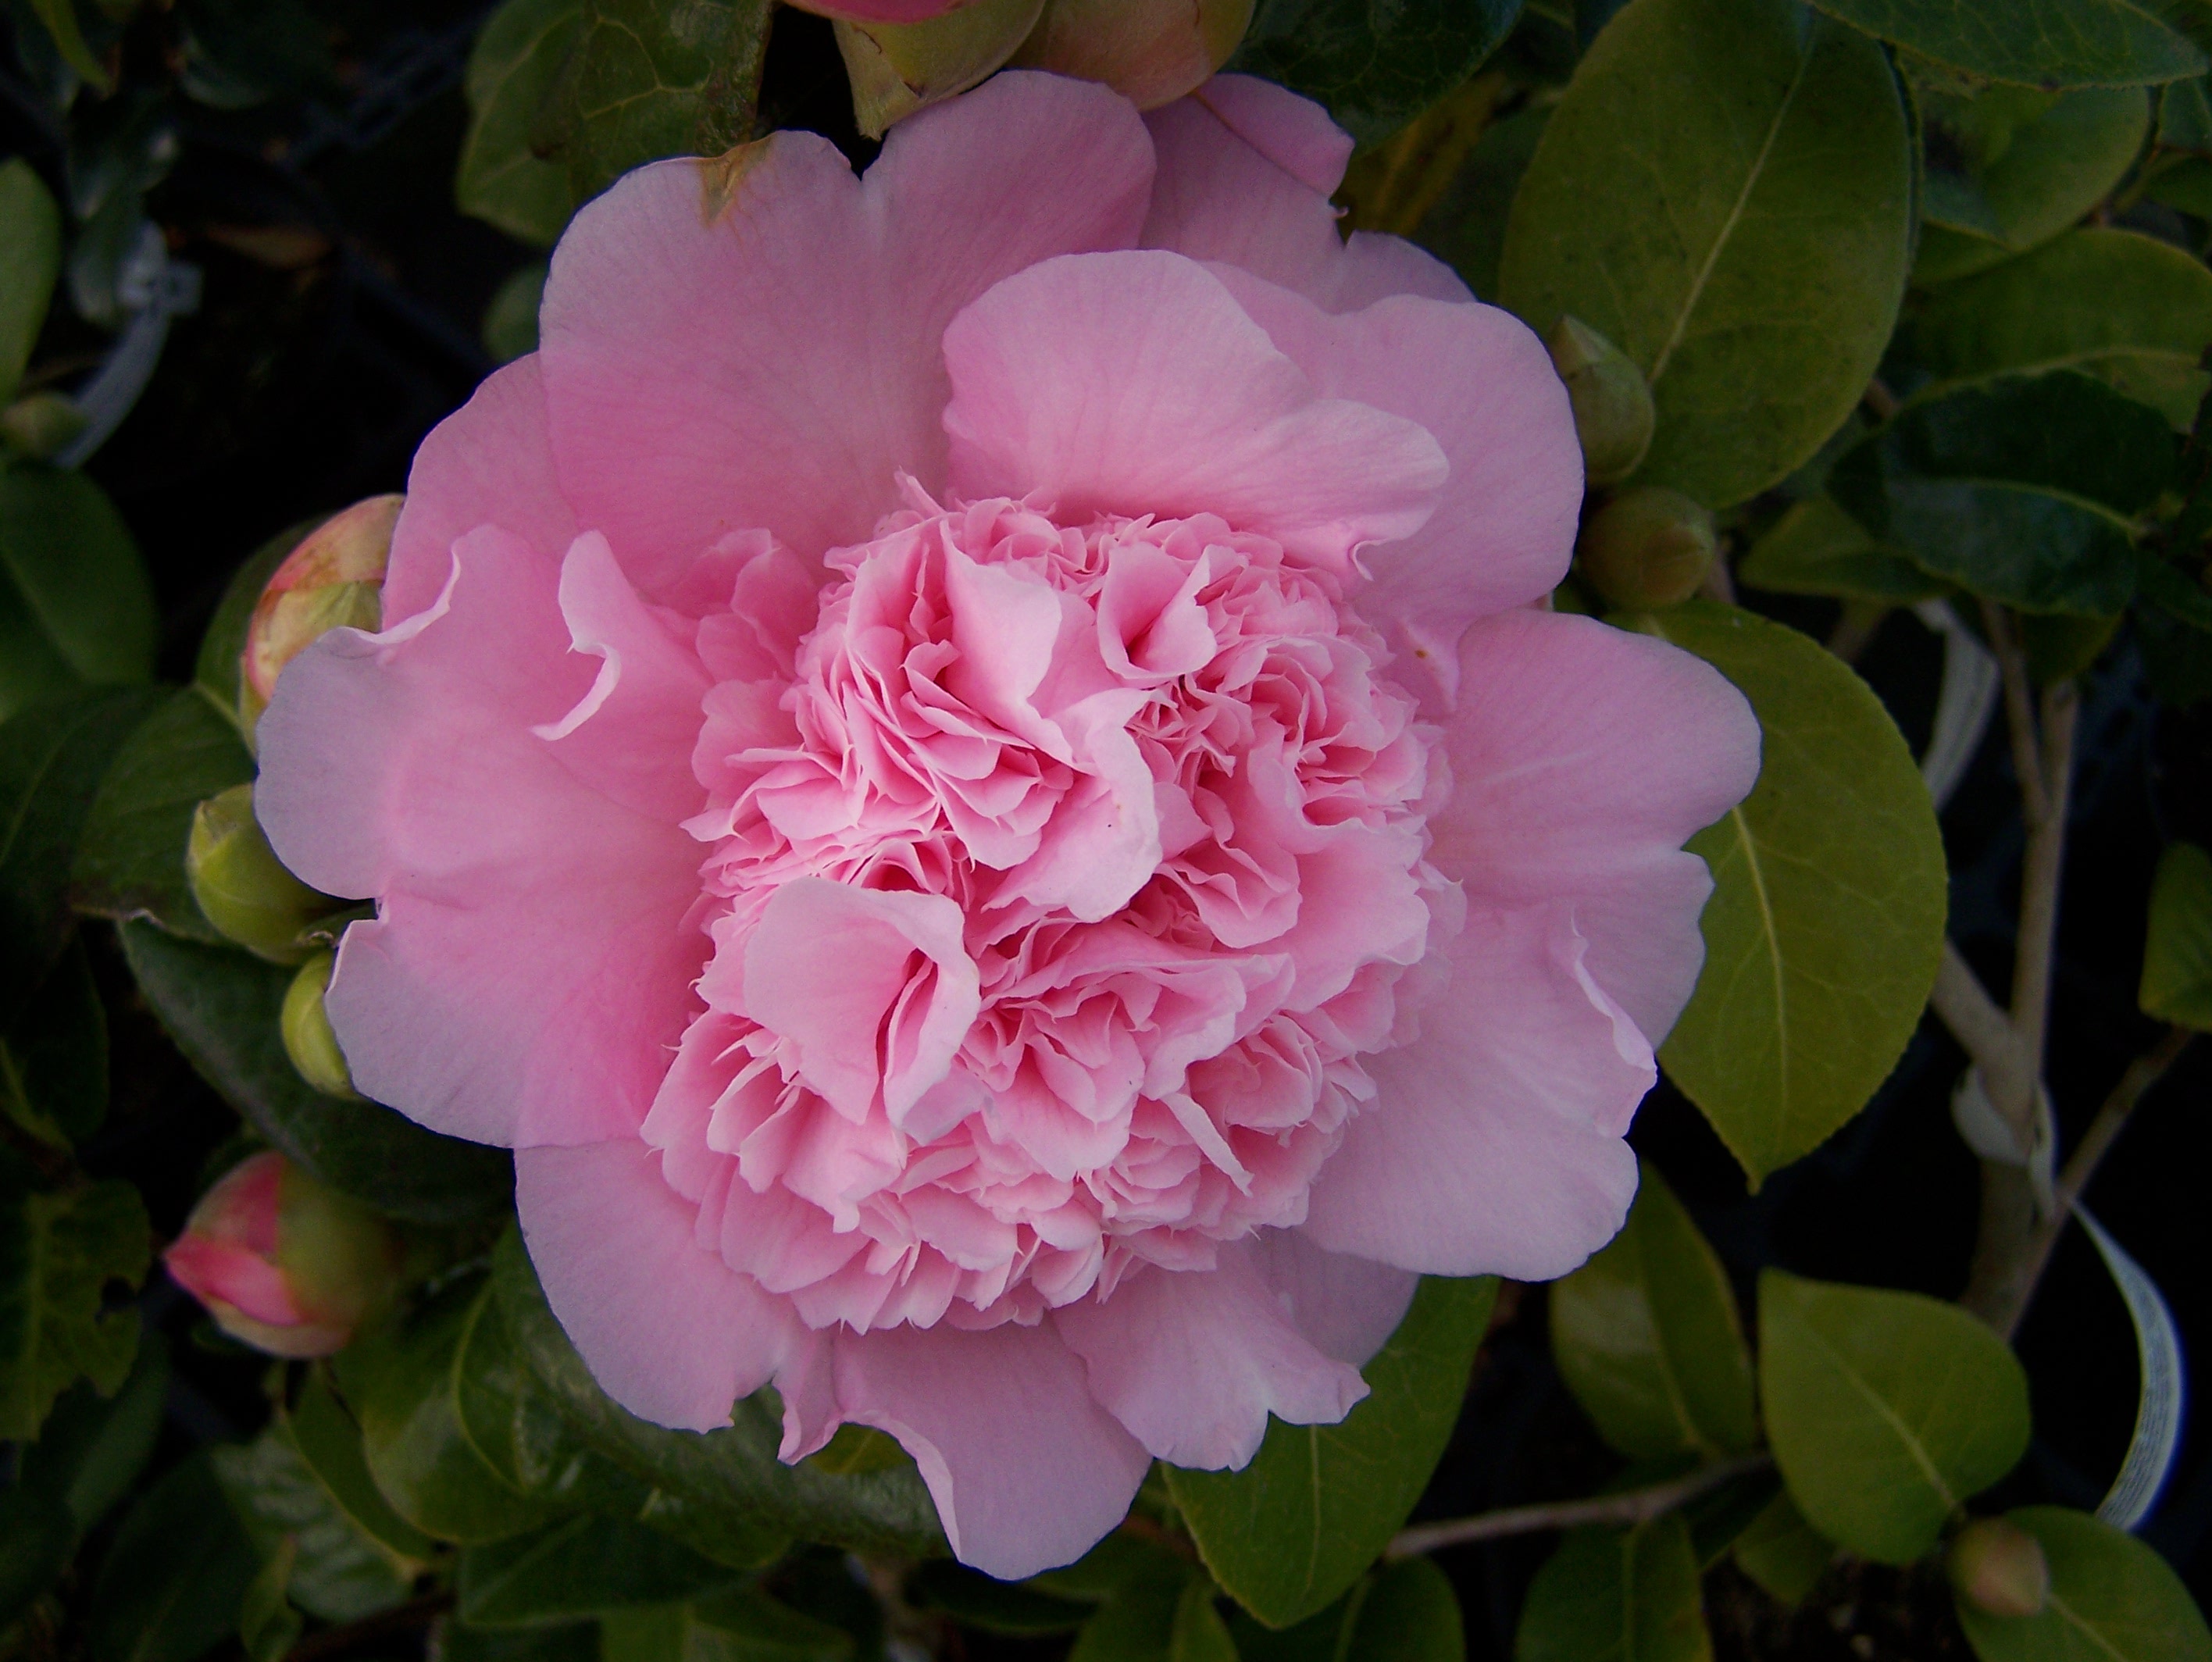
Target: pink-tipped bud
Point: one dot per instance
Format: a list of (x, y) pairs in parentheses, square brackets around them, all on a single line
[(334, 578), (1999, 1569), (283, 1263), (1150, 51)]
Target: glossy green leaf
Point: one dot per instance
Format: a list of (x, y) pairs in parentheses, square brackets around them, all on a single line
[(1290, 1531), (1646, 1336), (976, 1600), (30, 260), (37, 1538), (267, 1626), (731, 1479), (130, 860), (1885, 1410), (2112, 1599), (2035, 163), (59, 17), (402, 1383), (2128, 309), (1199, 1633), (171, 1584), (220, 1007), (741, 1625), (1137, 1622), (1827, 920), (1720, 1515), (2181, 182), (2034, 43), (647, 79), (1466, 228), (60, 1255), (578, 1567), (339, 1572), (1815, 547), (1374, 68), (2022, 489), (2184, 114), (1613, 1595), (1691, 201), (510, 322), (75, 607), (1409, 1614), (93, 1447), (1783, 1553), (513, 70), (53, 1057), (2176, 971)]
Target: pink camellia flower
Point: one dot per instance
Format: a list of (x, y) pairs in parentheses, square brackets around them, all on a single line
[(971, 767), (282, 1262)]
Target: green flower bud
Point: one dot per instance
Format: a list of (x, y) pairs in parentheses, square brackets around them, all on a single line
[(1150, 51), (1999, 1569), (334, 578), (308, 1039), (1611, 402), (896, 69), (1649, 547), (240, 884), (41, 423)]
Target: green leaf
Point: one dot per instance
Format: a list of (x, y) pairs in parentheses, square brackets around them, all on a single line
[(53, 1057), (1886, 1411), (1783, 1553), (580, 1642), (1137, 1622), (976, 1600), (1646, 1336), (730, 1477), (1827, 920), (60, 18), (38, 1537), (53, 758), (1466, 229), (2036, 162), (742, 1625), (1409, 1614), (2176, 971), (647, 79), (2184, 114), (339, 1572), (2035, 43), (2112, 1599), (216, 671), (510, 322), (402, 1382), (220, 1007), (1815, 547), (580, 1566), (2022, 488), (93, 1447), (58, 1253), (75, 607), (130, 860), (1374, 66), (1199, 1633), (1295, 1528), (171, 1586), (30, 260), (513, 70), (2128, 309), (1690, 202), (1616, 1596), (267, 1626), (324, 1433)]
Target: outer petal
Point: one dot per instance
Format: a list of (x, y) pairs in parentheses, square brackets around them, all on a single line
[(1494, 1143), (1028, 1472), (669, 1331), (529, 971), (1194, 1361), (1478, 380), (489, 463), (773, 360), (1133, 383), (1582, 758), (1245, 171), (1346, 1307)]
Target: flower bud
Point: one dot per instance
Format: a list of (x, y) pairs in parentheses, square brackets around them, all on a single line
[(308, 1038), (1649, 547), (335, 578), (282, 1262), (1150, 51), (1999, 1569), (897, 68), (1612, 401), (242, 887)]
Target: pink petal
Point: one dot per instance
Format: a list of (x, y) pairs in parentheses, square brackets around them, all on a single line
[(1133, 383), (1478, 380), (212, 1270), (1493, 1146), (791, 342), (1194, 1361), (1245, 171), (528, 971), (669, 1331), (489, 463), (1582, 758), (1347, 1307), (1028, 1472)]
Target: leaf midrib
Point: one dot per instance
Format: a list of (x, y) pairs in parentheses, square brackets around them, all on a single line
[(1889, 1415)]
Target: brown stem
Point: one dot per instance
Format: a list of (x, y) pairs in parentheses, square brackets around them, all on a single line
[(2142, 1073), (2038, 882), (1879, 401), (1145, 1529), (370, 1629), (1856, 629), (1637, 1506)]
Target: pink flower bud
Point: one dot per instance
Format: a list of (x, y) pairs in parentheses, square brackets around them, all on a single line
[(282, 1262), (1150, 51), (334, 578), (1999, 1569)]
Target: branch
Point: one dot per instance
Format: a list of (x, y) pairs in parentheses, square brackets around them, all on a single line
[(2038, 882), (1637, 1506), (2020, 708), (1986, 1034)]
